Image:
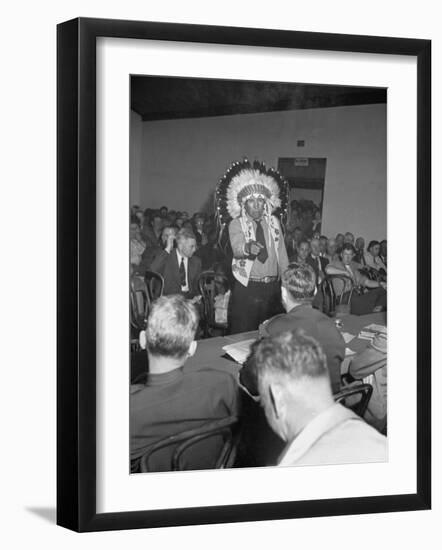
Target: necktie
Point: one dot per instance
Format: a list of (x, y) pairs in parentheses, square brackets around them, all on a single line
[(259, 235), (182, 273)]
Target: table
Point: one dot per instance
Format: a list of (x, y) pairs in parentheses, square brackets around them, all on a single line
[(259, 445), (210, 351)]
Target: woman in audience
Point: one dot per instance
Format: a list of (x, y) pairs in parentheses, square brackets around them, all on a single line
[(372, 258)]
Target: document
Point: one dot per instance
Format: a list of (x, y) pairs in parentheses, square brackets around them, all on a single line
[(240, 350)]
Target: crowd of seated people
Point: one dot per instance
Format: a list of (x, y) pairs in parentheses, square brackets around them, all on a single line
[(180, 248)]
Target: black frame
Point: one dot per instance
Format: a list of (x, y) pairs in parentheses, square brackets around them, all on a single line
[(76, 292)]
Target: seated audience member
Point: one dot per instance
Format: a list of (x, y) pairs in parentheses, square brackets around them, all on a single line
[(168, 232), (303, 256), (361, 303), (383, 252), (359, 247), (295, 391), (137, 245), (339, 242), (323, 246), (371, 365), (198, 229), (297, 292), (331, 254), (316, 261), (302, 251), (163, 212), (372, 259), (317, 222), (210, 253), (293, 238), (179, 267), (349, 238), (175, 399), (151, 231)]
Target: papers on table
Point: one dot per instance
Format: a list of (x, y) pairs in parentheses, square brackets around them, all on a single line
[(347, 337), (375, 328), (370, 331), (239, 351)]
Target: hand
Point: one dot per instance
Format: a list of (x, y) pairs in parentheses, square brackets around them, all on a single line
[(169, 244), (253, 248), (383, 285)]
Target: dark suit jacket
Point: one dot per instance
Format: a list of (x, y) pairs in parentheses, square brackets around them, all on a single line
[(167, 265), (315, 324), (313, 263)]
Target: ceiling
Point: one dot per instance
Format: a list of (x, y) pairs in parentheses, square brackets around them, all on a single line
[(162, 98)]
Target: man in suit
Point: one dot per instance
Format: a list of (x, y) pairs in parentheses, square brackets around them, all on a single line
[(178, 266), (297, 292)]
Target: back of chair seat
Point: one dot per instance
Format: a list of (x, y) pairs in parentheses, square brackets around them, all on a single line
[(211, 446), (337, 291), (154, 284)]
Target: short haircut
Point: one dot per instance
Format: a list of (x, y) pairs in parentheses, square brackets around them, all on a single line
[(302, 241), (171, 326), (372, 243), (300, 281), (349, 234), (290, 354), (186, 233), (348, 246)]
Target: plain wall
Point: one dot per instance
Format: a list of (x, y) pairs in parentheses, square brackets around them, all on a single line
[(182, 160), (135, 155)]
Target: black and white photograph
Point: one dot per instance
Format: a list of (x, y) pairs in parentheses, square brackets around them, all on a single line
[(258, 274)]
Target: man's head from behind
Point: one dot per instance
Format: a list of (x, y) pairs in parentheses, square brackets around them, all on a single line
[(293, 380), (186, 242), (298, 285), (171, 329)]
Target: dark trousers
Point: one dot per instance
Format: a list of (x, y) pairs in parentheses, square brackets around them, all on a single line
[(362, 304), (252, 304)]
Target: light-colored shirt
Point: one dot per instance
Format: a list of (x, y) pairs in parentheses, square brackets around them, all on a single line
[(186, 261), (374, 262), (336, 436)]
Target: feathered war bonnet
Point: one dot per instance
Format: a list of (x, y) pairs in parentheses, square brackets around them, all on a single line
[(243, 180)]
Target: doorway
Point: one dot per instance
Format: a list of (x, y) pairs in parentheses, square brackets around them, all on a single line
[(306, 179)]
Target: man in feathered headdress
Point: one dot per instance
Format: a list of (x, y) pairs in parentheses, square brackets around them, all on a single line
[(252, 194)]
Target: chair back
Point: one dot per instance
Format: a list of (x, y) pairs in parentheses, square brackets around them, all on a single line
[(337, 291), (180, 456), (154, 284), (139, 304), (348, 396), (207, 284)]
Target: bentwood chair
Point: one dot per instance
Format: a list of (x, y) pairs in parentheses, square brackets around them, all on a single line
[(139, 309), (154, 284), (209, 283), (348, 396), (337, 291), (211, 446)]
